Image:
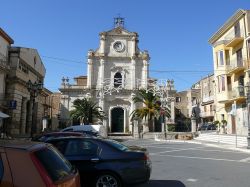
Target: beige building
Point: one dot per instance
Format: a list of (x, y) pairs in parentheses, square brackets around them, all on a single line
[(185, 102), (207, 105), (5, 43), (25, 65), (231, 46), (54, 110)]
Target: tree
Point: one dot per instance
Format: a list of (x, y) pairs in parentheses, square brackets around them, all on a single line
[(86, 111), (151, 109)]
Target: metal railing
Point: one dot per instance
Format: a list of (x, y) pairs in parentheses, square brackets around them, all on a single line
[(238, 92), (232, 34)]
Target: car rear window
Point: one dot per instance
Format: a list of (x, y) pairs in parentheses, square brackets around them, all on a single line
[(116, 144), (54, 163)]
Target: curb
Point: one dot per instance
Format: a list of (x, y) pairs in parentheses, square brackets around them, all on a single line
[(222, 146)]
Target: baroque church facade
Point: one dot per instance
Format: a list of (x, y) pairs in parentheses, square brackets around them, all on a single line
[(115, 71)]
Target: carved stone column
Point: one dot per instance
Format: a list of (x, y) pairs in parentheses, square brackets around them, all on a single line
[(101, 78), (134, 42), (133, 72), (145, 58), (90, 68), (102, 42)]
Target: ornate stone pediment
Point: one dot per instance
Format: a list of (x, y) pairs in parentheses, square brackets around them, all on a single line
[(121, 31)]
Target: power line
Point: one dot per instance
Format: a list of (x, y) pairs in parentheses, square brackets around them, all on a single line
[(62, 59)]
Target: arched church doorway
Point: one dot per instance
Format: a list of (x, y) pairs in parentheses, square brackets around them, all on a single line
[(117, 120)]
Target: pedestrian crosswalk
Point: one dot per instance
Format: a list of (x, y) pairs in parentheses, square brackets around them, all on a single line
[(238, 141)]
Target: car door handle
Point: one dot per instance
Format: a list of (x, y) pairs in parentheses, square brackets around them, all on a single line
[(94, 159)]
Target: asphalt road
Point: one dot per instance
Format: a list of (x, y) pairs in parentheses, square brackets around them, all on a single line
[(182, 164)]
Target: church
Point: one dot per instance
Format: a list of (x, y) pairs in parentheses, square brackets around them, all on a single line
[(115, 71)]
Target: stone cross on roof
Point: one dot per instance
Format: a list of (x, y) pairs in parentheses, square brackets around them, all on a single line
[(118, 22)]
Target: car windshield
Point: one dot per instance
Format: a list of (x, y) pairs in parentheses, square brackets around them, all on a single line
[(54, 163), (117, 145)]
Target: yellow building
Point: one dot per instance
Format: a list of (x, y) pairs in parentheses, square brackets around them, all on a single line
[(231, 51)]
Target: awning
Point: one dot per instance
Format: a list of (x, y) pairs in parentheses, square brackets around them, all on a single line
[(3, 115)]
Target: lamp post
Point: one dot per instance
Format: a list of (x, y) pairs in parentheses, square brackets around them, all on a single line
[(34, 89), (248, 115)]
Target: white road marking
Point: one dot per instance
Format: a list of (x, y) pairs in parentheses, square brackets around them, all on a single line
[(202, 158), (193, 148), (245, 159), (192, 180)]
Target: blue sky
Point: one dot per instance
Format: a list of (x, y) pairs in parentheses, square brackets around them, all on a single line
[(175, 32)]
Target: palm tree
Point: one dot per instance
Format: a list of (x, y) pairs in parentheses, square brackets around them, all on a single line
[(151, 109), (86, 111)]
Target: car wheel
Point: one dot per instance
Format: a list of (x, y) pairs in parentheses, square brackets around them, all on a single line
[(107, 180)]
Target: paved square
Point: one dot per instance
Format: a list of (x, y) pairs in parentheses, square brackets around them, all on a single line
[(184, 164)]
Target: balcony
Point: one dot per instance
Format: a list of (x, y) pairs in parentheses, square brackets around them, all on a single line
[(234, 38), (207, 100), (224, 97), (236, 65), (207, 114), (238, 93)]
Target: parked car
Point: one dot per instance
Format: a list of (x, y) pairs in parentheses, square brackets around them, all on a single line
[(46, 136), (105, 162), (100, 129), (29, 164), (211, 127), (207, 126)]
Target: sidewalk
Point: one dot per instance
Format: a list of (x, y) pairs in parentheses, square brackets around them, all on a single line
[(221, 145), (212, 144)]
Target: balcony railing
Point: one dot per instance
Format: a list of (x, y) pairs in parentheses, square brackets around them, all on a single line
[(207, 114), (238, 92), (236, 65), (207, 99), (234, 38)]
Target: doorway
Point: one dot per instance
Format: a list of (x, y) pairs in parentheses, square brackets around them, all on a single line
[(117, 120)]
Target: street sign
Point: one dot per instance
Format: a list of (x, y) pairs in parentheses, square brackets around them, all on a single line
[(12, 104)]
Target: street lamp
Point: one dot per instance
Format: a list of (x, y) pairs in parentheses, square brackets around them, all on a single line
[(34, 89), (248, 110)]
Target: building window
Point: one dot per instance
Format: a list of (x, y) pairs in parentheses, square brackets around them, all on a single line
[(117, 80), (178, 99), (23, 68), (239, 58), (205, 108), (211, 108), (220, 58), (222, 83), (237, 29), (194, 101)]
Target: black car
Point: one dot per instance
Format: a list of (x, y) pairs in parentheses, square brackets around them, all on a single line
[(105, 162), (207, 126)]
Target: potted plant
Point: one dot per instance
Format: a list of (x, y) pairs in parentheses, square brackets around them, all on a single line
[(224, 124), (217, 124)]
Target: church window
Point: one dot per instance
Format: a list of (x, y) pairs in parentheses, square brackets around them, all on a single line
[(117, 80)]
